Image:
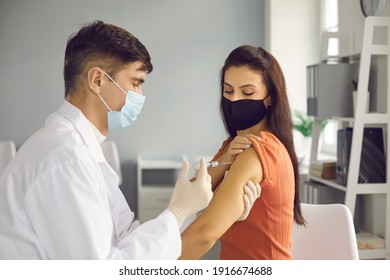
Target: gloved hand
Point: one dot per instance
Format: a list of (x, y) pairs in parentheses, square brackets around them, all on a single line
[(251, 193), (190, 197)]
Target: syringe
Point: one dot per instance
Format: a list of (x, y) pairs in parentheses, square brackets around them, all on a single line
[(212, 164), (216, 163)]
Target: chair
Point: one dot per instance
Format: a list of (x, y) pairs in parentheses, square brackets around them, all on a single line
[(7, 152), (329, 234), (111, 154)]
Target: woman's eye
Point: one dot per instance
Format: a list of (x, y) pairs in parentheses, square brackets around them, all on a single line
[(228, 91), (248, 93)]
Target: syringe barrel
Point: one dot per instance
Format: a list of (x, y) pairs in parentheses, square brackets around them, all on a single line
[(212, 164)]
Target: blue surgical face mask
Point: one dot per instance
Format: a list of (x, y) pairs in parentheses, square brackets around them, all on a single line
[(129, 112)]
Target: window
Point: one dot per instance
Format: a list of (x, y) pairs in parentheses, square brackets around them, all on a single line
[(329, 139), (330, 15), (330, 23)]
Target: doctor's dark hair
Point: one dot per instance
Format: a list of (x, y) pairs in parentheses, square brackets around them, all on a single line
[(101, 45), (279, 118)]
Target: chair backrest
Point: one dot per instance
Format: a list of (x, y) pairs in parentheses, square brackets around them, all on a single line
[(7, 152), (111, 154), (328, 235)]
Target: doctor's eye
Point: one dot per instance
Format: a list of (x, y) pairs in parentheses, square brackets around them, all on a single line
[(248, 93), (228, 91), (137, 85)]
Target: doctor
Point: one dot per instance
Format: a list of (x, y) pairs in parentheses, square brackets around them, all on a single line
[(59, 199)]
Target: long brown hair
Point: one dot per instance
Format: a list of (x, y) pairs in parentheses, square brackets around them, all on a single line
[(279, 118)]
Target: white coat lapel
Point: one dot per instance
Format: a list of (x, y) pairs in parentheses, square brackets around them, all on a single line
[(83, 127)]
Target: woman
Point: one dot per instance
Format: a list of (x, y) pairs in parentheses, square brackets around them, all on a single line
[(256, 114)]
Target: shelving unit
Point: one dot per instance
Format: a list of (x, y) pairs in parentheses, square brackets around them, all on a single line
[(156, 179), (363, 118)]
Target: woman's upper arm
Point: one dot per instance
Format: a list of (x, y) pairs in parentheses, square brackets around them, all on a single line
[(227, 204)]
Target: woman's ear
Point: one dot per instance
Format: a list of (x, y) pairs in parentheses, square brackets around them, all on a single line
[(95, 79), (269, 101)]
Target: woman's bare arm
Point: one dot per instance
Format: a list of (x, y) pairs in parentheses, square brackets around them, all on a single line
[(217, 173), (225, 207), (236, 147)]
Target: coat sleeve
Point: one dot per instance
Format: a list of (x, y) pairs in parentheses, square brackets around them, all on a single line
[(164, 228), (160, 234), (67, 205)]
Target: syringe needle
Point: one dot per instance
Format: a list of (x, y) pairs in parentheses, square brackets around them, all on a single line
[(212, 164)]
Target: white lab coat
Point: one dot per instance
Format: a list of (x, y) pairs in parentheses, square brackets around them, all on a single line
[(59, 199)]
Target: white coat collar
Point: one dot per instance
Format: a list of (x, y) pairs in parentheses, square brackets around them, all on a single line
[(83, 127)]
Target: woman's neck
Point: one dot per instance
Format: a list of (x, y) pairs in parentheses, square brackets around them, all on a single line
[(261, 126)]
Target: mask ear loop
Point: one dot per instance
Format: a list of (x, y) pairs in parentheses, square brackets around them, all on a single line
[(115, 83), (104, 102)]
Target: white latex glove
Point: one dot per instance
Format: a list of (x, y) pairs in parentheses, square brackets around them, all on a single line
[(251, 193), (190, 197)]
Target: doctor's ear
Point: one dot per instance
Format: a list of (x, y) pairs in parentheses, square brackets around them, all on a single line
[(95, 79)]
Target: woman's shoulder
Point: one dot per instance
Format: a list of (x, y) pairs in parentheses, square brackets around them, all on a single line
[(269, 138), (270, 150), (268, 142)]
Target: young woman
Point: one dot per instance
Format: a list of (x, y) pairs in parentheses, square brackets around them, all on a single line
[(256, 113)]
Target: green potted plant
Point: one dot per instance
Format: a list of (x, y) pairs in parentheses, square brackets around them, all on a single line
[(304, 125)]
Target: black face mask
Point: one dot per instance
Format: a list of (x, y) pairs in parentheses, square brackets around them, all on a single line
[(244, 113)]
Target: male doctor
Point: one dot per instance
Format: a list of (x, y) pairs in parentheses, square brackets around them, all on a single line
[(59, 198)]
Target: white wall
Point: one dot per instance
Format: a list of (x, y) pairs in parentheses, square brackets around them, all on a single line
[(294, 41), (188, 42)]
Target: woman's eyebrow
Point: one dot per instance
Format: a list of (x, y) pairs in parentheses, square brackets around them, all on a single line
[(247, 85), (226, 84)]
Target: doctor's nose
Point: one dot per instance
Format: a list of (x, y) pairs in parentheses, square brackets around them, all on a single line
[(138, 89)]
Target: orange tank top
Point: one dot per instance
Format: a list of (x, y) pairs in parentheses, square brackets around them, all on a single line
[(266, 232)]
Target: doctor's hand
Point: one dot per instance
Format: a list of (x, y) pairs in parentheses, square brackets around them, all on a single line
[(251, 193), (190, 197)]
